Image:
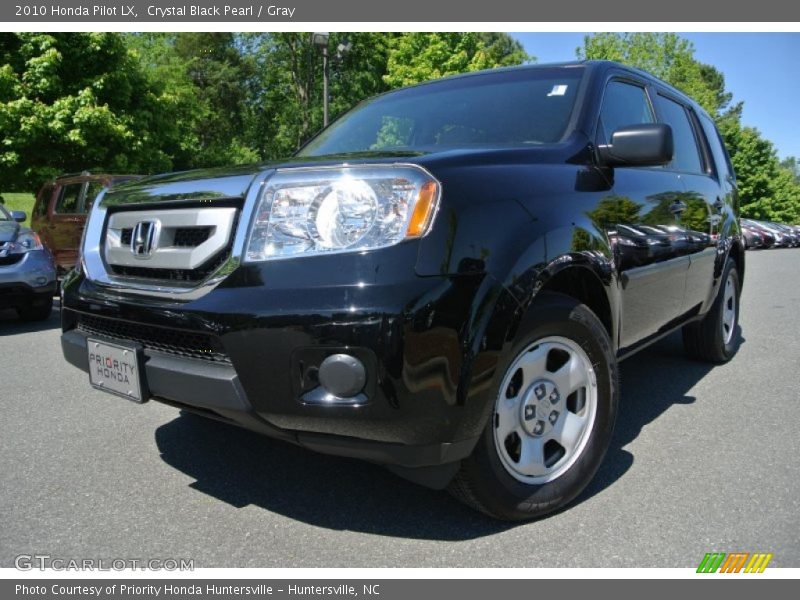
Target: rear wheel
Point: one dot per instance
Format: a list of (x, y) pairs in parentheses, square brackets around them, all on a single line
[(553, 416), (38, 310), (715, 338)]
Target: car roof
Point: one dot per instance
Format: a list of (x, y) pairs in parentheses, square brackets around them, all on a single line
[(90, 175)]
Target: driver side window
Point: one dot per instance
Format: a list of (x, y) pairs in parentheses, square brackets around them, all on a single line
[(623, 104)]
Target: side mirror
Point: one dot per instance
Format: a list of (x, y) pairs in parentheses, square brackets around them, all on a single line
[(646, 145), (19, 216)]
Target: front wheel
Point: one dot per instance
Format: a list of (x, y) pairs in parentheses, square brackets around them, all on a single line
[(553, 416)]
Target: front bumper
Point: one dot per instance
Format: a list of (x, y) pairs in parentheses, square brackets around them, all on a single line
[(262, 338), (215, 391), (33, 275)]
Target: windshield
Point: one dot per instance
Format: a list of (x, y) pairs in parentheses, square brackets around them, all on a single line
[(500, 109), (4, 215)]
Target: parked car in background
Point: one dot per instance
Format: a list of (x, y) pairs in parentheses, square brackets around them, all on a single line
[(753, 237), (443, 281), (59, 213), (27, 270), (782, 238), (790, 235), (772, 238)]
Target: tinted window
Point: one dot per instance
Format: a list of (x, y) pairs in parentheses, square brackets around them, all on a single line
[(623, 104), (526, 107), (718, 151), (687, 156), (68, 199), (92, 190), (43, 201)]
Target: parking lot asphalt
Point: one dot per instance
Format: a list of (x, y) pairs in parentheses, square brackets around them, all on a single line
[(703, 459)]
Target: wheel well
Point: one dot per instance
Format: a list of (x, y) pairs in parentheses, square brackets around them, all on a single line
[(584, 286), (737, 254)]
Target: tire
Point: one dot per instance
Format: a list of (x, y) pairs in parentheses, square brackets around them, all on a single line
[(497, 478), (715, 338), (39, 310)]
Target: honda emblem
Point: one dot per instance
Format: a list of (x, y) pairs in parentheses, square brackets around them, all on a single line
[(143, 239)]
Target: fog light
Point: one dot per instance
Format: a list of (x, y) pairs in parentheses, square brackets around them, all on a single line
[(342, 375)]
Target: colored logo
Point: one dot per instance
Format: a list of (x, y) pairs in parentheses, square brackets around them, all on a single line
[(735, 562)]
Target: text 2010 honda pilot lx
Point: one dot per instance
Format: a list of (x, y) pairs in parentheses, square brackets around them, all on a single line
[(443, 281)]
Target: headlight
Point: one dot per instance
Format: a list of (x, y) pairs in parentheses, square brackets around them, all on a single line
[(25, 243), (304, 212)]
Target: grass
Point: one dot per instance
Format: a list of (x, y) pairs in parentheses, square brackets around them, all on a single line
[(15, 201)]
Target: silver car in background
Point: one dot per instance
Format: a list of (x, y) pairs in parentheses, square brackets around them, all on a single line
[(27, 272)]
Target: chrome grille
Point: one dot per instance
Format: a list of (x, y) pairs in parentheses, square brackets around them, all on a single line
[(171, 245)]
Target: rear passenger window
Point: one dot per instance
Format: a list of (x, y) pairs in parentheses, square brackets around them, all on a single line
[(623, 104), (67, 203), (687, 156), (43, 201), (94, 188), (717, 147)]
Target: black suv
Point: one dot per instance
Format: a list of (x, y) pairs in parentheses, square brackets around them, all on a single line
[(442, 281)]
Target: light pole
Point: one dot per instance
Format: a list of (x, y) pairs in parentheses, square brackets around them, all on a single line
[(320, 40)]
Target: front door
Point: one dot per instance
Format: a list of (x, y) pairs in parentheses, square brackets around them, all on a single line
[(640, 216)]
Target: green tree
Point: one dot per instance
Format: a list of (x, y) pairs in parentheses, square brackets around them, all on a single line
[(417, 57), (212, 78), (665, 55), (503, 50), (792, 164), (71, 101)]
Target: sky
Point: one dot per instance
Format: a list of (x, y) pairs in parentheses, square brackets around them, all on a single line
[(760, 69)]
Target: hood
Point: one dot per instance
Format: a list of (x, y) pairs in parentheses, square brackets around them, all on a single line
[(184, 186), (9, 231), (222, 184)]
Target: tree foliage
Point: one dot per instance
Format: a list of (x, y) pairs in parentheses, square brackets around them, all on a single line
[(417, 57), (71, 101)]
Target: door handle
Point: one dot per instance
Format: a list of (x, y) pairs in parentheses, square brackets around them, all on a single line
[(719, 204), (677, 207)]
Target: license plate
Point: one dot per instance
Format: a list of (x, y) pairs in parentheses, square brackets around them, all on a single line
[(116, 369)]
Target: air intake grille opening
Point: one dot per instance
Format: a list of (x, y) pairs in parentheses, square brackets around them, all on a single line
[(191, 237), (185, 237), (160, 339), (11, 259), (173, 275)]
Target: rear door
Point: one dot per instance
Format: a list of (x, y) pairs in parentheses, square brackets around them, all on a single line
[(41, 208), (637, 214), (67, 218), (698, 213)]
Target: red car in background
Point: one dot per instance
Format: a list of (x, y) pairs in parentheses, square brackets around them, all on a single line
[(59, 213)]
